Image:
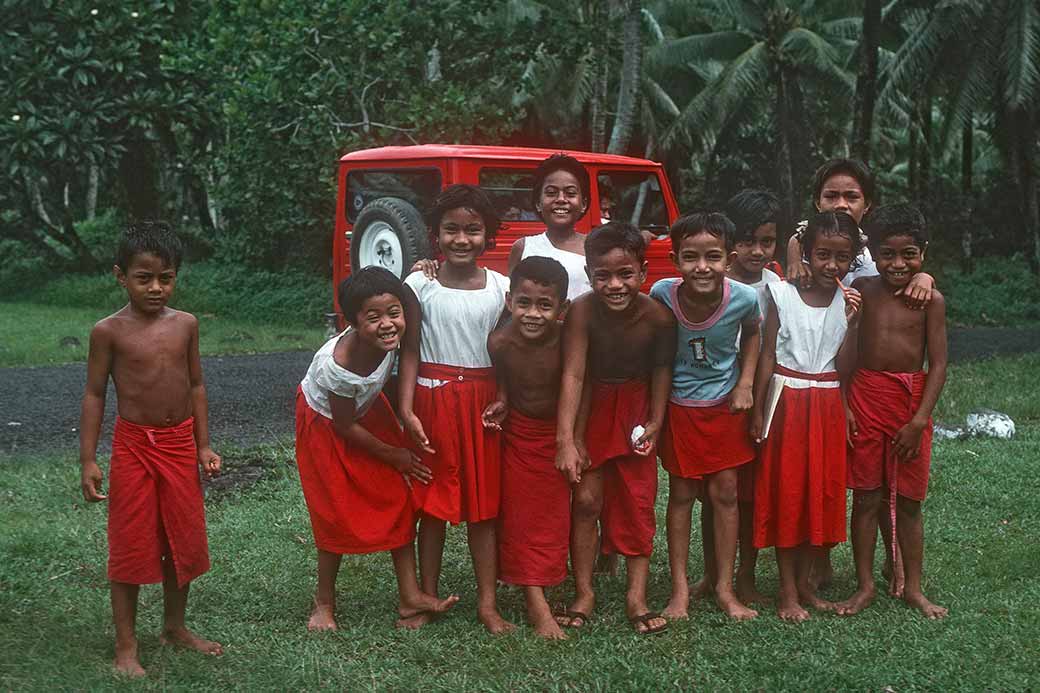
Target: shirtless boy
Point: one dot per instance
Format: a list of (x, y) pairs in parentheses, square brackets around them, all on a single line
[(156, 520), (534, 516), (890, 402), (627, 341)]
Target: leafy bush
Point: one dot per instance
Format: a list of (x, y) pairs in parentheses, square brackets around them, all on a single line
[(1001, 291), (295, 298)]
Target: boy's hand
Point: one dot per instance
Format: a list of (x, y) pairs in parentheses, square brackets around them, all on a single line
[(918, 293), (569, 463), (907, 441), (408, 464), (644, 444), (741, 399), (210, 462), (850, 427), (428, 267), (757, 422), (798, 274), (853, 301), (583, 455), (414, 428), (90, 481), (494, 414)]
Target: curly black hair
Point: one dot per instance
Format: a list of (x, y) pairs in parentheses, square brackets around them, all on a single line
[(468, 197), (149, 236)]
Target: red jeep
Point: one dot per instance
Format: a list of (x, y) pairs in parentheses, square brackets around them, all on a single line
[(383, 191)]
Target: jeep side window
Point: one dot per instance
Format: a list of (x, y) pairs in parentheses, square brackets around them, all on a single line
[(510, 191), (416, 186), (634, 197)]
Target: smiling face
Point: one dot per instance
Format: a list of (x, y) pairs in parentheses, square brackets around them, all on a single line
[(616, 277), (380, 322), (561, 203), (461, 236), (751, 256), (898, 259), (843, 193), (830, 259), (148, 281), (701, 260), (534, 307)]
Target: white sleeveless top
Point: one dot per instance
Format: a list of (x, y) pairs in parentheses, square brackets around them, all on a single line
[(574, 263), (325, 376), (456, 322), (809, 337)]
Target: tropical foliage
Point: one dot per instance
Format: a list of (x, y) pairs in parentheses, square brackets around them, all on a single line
[(228, 117)]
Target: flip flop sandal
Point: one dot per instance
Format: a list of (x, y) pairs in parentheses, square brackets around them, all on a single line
[(563, 612), (645, 620)]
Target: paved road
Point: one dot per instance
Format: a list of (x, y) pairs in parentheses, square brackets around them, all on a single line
[(251, 397)]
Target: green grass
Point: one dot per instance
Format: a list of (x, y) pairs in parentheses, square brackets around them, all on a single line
[(33, 334), (982, 561)]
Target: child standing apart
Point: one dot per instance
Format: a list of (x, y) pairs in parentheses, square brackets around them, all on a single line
[(626, 340), (354, 465), (534, 521), (561, 197), (707, 439), (890, 403), (446, 382), (156, 519), (754, 214), (799, 414)]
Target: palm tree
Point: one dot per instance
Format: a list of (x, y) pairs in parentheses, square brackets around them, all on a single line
[(987, 54), (760, 56)]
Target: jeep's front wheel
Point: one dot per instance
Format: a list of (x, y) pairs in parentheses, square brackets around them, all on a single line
[(389, 232)]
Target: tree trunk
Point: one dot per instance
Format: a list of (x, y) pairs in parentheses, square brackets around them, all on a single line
[(926, 144), (911, 176), (598, 111), (788, 205), (628, 90), (93, 180), (866, 81), (967, 161), (137, 172)]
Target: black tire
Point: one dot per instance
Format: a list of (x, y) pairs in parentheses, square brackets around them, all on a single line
[(407, 225)]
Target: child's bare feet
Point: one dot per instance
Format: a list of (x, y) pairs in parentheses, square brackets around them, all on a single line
[(493, 621), (126, 662), (732, 607), (821, 573), (791, 610), (547, 627), (182, 637), (424, 603), (679, 604), (747, 591), (860, 600), (921, 603), (811, 600), (323, 617), (416, 621)]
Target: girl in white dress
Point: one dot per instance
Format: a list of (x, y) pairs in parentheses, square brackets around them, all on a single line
[(447, 380)]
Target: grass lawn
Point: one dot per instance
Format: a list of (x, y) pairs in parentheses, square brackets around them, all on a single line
[(33, 335), (982, 561)]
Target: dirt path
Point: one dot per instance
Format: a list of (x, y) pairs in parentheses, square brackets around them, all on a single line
[(251, 397)]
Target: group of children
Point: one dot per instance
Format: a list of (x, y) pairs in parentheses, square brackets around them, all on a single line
[(534, 408)]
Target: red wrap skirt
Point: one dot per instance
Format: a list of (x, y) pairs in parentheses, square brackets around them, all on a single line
[(155, 507), (534, 523), (699, 441), (467, 474), (629, 480), (357, 503)]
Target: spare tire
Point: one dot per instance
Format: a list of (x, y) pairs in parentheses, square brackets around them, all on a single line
[(389, 232)]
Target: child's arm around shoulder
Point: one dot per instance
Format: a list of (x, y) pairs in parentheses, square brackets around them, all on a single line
[(209, 460), (495, 412), (92, 410)]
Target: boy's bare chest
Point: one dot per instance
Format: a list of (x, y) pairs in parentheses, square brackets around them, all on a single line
[(534, 368), (157, 350)]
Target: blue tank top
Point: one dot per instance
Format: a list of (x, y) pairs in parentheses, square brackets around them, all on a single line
[(706, 368)]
